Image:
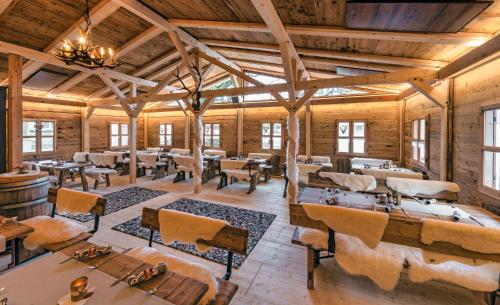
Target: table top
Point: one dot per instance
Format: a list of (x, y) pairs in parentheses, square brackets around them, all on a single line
[(176, 288), (409, 209), (16, 177), (67, 165), (14, 230)]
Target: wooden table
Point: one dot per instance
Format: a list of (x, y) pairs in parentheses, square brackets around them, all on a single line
[(327, 167), (403, 227), (213, 164), (178, 289), (64, 169), (15, 232)]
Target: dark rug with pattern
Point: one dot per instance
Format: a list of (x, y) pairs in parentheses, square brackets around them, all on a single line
[(120, 200), (255, 222)]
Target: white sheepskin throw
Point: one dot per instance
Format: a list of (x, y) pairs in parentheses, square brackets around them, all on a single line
[(181, 266), (314, 238), (306, 168), (180, 151), (368, 226), (302, 158), (260, 156), (412, 187), (431, 257), (188, 228), (148, 160), (383, 264), (382, 173), (75, 202), (117, 154), (234, 168), (215, 152), (80, 157), (154, 150), (48, 230), (477, 278), (355, 183), (184, 163), (470, 237), (104, 160)]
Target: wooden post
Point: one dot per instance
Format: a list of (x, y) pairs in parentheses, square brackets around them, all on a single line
[(402, 132), (198, 154), (132, 133), (443, 156), (451, 105), (15, 112), (308, 129), (239, 116), (187, 130), (146, 119), (291, 156), (86, 112)]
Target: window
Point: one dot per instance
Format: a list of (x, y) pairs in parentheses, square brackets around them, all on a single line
[(491, 150), (38, 136), (418, 144), (351, 137), (165, 134), (211, 136), (119, 135), (271, 135)]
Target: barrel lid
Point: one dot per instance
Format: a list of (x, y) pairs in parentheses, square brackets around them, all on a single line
[(16, 177)]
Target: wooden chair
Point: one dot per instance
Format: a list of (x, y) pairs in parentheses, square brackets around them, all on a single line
[(230, 238), (97, 211)]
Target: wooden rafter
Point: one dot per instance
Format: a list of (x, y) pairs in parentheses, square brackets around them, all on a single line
[(430, 92), (124, 49), (154, 18), (98, 13), (460, 38), (121, 96), (184, 54), (348, 56)]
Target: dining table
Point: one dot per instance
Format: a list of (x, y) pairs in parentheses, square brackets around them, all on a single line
[(14, 232), (405, 220), (48, 279), (63, 169)]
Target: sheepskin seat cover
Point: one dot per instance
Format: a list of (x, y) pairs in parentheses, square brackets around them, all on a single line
[(48, 230), (75, 202), (181, 266), (412, 187), (384, 264), (355, 183)]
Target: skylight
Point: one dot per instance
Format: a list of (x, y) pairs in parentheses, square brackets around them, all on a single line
[(266, 80), (335, 91)]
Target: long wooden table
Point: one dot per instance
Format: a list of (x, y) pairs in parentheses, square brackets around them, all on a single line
[(64, 169), (15, 232), (404, 226)]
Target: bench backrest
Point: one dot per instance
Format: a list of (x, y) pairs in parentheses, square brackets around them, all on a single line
[(230, 238)]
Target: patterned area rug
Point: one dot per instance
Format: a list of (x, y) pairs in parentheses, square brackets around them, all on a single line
[(255, 222), (120, 200)]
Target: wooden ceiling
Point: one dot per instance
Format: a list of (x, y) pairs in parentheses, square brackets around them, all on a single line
[(326, 33)]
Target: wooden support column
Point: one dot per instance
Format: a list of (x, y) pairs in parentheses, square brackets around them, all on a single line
[(15, 112), (187, 131), (146, 119), (402, 132), (132, 132), (239, 116), (291, 156), (451, 105), (308, 129), (86, 114)]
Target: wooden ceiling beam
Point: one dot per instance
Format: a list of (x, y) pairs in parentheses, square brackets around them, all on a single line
[(154, 18), (460, 38), (314, 60), (430, 92), (52, 101), (482, 54), (124, 49), (98, 13), (367, 58), (5, 5), (44, 58)]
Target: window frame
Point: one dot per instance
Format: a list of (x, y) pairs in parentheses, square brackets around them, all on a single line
[(426, 142), (38, 137), (492, 192), (120, 135), (212, 136), (351, 137), (166, 134), (271, 136)]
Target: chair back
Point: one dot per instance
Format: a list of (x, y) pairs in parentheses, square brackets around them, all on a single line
[(118, 154), (103, 160), (98, 210), (81, 157), (229, 238)]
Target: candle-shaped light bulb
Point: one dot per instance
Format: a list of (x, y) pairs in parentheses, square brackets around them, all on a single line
[(110, 52), (81, 40), (101, 51)]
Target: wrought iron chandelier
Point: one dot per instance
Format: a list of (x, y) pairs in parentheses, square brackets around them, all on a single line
[(83, 52)]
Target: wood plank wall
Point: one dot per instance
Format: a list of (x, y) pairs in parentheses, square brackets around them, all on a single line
[(176, 118), (67, 124), (471, 91), (419, 107)]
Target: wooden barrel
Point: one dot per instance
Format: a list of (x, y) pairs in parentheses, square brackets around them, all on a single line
[(24, 195)]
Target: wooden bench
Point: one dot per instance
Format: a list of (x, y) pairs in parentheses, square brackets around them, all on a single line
[(254, 179), (230, 238)]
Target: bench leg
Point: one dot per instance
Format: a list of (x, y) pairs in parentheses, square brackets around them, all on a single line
[(108, 181), (222, 181), (96, 184), (160, 173), (253, 184), (310, 268), (286, 187)]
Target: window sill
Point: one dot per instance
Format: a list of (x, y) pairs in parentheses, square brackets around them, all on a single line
[(493, 193)]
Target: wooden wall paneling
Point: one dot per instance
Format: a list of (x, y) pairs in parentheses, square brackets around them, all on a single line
[(228, 121), (176, 118), (68, 128), (472, 89), (15, 112)]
